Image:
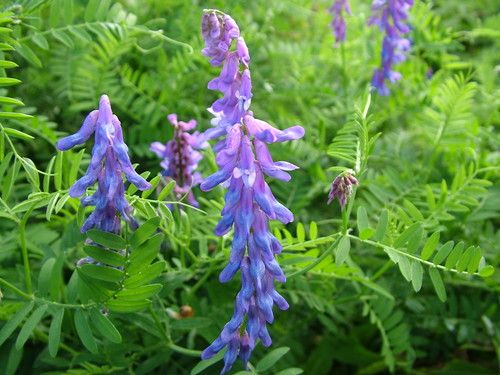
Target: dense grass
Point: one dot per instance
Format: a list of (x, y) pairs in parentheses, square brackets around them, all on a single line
[(368, 293)]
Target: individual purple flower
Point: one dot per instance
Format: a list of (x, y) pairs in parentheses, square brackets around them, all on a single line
[(109, 160), (181, 156), (342, 187), (391, 17), (244, 159), (338, 24)]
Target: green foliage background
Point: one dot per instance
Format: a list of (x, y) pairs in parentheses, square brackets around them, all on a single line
[(404, 282)]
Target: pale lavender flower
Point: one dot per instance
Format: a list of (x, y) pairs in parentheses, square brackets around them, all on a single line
[(338, 24), (342, 187), (243, 158), (391, 17), (181, 156), (109, 160)]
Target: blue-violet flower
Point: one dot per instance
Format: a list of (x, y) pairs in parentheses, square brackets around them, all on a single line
[(338, 24), (181, 156), (109, 159), (243, 158), (391, 17)]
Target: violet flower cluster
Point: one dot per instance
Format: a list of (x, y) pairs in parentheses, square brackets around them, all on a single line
[(338, 24), (109, 159), (391, 17), (342, 187), (244, 159), (181, 156)]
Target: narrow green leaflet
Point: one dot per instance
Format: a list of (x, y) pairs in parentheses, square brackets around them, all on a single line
[(202, 365), (475, 259), (364, 229), (83, 330), (105, 256), (271, 358), (55, 332), (40, 41), (145, 275), (7, 81), (105, 327), (58, 170), (166, 190), (75, 165), (465, 258), (13, 322), (313, 230), (107, 239), (407, 234), (45, 276), (51, 205), (144, 232), (127, 306), (140, 293), (29, 326), (437, 281), (487, 271), (13, 361), (413, 210), (417, 273), (454, 256), (291, 371), (405, 267), (29, 55), (342, 251), (382, 225), (443, 252), (430, 246), (18, 134), (101, 273), (154, 183), (144, 254)]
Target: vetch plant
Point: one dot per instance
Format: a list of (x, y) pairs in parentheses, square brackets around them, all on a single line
[(417, 236), (338, 24), (109, 159), (342, 187), (181, 156), (391, 17), (243, 158)]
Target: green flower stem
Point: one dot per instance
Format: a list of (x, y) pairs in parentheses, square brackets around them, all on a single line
[(346, 212), (186, 351), (387, 266), (16, 290), (42, 301), (309, 267), (24, 250), (168, 342)]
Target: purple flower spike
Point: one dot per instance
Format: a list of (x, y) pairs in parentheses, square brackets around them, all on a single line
[(180, 157), (342, 187), (391, 17), (338, 22), (109, 160), (243, 158)]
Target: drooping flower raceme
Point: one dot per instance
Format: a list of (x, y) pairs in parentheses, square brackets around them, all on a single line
[(244, 159), (391, 17), (109, 160), (342, 187), (181, 156), (338, 24)]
